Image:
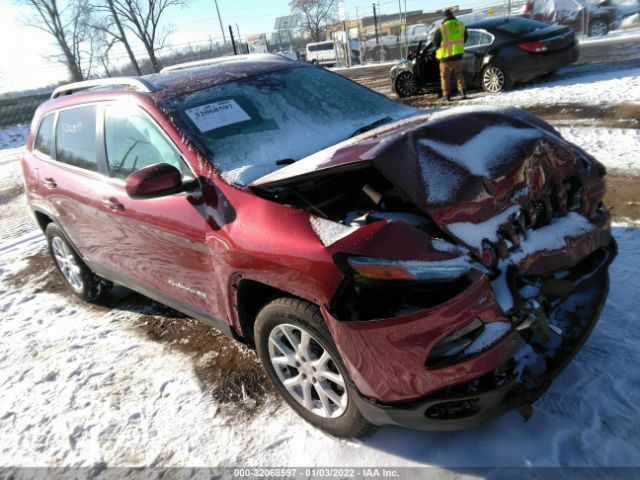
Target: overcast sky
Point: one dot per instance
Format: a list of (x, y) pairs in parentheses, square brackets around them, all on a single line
[(27, 55)]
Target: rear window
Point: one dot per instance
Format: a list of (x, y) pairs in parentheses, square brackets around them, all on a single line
[(520, 26), (76, 138), (44, 139)]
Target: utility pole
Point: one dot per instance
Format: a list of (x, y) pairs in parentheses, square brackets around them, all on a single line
[(406, 40), (224, 37), (509, 9), (375, 23), (401, 29), (233, 42), (239, 38)]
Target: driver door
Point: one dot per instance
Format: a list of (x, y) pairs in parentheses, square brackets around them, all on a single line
[(154, 245), (428, 71)]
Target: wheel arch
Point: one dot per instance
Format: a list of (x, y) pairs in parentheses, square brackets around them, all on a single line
[(250, 296)]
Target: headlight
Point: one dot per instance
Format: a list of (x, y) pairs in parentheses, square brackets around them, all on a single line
[(417, 270)]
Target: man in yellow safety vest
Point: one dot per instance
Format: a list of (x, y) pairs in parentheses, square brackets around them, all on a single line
[(449, 42)]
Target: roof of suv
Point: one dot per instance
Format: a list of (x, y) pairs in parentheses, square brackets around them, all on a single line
[(187, 78)]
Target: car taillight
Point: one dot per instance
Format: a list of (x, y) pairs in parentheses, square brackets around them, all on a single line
[(535, 47)]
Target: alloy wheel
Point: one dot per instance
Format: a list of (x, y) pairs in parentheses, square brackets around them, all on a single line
[(493, 79), (406, 84), (307, 371), (66, 261)]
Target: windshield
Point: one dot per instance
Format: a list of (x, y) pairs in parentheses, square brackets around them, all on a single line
[(256, 125)]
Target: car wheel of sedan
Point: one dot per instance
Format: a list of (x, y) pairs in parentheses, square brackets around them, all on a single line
[(75, 273), (494, 79), (304, 365), (405, 84)]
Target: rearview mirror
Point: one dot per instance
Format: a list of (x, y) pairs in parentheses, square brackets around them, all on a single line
[(154, 181)]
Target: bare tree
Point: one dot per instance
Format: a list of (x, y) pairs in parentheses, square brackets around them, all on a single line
[(142, 18), (111, 26), (70, 28), (315, 15)]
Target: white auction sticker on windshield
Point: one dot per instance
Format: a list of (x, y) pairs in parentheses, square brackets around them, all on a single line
[(216, 115)]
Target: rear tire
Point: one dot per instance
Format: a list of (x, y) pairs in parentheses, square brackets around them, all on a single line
[(405, 84), (74, 272), (494, 79), (296, 349)]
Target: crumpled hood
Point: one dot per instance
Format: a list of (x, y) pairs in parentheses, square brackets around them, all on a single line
[(457, 165), (444, 157)]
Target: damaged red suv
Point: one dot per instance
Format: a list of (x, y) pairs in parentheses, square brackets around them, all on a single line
[(390, 265)]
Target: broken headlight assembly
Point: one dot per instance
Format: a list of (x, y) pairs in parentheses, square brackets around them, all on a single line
[(375, 288)]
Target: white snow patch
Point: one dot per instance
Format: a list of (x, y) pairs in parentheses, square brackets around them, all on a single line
[(439, 180), (473, 233), (602, 87), (616, 148), (330, 232), (491, 334), (14, 136), (550, 237), (490, 147)]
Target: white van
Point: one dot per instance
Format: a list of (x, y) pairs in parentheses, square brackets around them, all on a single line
[(321, 53)]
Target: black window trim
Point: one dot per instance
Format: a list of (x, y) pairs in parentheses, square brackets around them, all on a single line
[(482, 30), (101, 145), (37, 152), (52, 159)]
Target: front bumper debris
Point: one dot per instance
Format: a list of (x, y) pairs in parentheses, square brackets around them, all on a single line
[(521, 380)]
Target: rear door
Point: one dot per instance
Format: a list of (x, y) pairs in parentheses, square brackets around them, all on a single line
[(477, 44), (70, 173), (156, 245)]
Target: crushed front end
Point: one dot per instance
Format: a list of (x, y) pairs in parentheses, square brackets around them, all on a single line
[(471, 276)]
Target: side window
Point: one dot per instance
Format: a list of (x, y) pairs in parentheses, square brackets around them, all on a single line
[(486, 39), (473, 40), (44, 138), (133, 141), (76, 138)]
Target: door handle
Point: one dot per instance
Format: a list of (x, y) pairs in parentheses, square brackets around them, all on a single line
[(49, 182), (112, 203)]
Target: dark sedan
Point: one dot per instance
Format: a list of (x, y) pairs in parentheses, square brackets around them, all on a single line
[(498, 53)]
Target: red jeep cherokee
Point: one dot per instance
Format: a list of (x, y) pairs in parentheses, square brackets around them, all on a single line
[(390, 265)]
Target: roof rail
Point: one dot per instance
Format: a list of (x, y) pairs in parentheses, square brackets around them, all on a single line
[(202, 63), (225, 58), (135, 83)]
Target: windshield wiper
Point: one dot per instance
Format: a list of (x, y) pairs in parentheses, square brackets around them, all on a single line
[(371, 126)]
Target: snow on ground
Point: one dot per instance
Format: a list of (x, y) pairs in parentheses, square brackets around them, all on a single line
[(595, 88), (14, 136), (622, 35), (617, 148), (81, 386)]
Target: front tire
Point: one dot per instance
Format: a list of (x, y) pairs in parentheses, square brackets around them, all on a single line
[(494, 79), (405, 84), (74, 272), (303, 363)]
